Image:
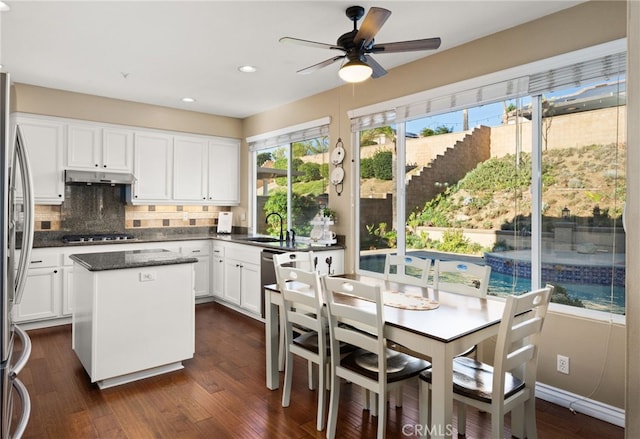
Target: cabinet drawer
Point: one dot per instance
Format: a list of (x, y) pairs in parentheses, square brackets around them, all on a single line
[(218, 250), (245, 253), (196, 250), (39, 260)]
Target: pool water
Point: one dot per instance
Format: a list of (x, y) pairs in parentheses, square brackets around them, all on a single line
[(596, 297)]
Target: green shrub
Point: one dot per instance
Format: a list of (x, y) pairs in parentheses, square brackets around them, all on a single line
[(383, 165)]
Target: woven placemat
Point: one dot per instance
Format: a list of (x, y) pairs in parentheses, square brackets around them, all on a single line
[(408, 301)]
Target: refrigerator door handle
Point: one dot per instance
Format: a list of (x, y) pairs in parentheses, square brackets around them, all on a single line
[(27, 236), (26, 351), (26, 409)]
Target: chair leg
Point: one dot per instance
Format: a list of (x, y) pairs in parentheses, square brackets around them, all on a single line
[(531, 432), (382, 414), (462, 418), (281, 345), (322, 396), (517, 422), (333, 406), (398, 395), (497, 422), (424, 404), (288, 374), (311, 372)]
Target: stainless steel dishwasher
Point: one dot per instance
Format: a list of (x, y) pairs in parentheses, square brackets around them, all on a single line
[(267, 273)]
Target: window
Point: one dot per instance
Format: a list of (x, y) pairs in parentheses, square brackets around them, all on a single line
[(525, 174), (290, 178)]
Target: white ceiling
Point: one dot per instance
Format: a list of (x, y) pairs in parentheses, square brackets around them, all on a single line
[(157, 52)]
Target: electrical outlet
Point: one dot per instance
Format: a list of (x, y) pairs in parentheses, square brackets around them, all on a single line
[(185, 216), (563, 364)]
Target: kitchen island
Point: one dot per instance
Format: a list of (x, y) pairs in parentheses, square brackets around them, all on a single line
[(133, 313)]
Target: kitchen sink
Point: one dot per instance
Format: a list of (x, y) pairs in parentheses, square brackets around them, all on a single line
[(263, 239)]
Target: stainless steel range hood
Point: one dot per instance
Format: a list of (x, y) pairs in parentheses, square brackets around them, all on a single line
[(97, 177)]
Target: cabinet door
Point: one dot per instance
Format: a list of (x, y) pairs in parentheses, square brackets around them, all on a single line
[(217, 276), (232, 281), (117, 150), (44, 141), (190, 169), (152, 164), (41, 298), (224, 172), (250, 290), (202, 276), (83, 147)]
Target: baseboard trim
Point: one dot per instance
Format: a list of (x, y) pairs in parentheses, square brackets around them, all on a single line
[(590, 407)]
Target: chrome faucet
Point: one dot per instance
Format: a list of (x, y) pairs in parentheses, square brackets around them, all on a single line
[(279, 216)]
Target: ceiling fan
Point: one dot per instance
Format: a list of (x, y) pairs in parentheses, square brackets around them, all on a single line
[(358, 45)]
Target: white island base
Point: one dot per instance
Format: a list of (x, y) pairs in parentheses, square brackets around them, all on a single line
[(133, 323)]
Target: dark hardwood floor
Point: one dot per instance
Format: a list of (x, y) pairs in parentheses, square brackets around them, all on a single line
[(221, 393)]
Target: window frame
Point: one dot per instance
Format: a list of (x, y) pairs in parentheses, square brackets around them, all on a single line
[(388, 113)]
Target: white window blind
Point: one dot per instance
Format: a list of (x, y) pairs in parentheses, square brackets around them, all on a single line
[(374, 120), (508, 86), (603, 68), (297, 133), (485, 94)]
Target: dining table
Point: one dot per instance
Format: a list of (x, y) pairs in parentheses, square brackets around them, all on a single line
[(440, 332)]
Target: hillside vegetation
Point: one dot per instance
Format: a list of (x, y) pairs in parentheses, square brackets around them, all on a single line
[(497, 193)]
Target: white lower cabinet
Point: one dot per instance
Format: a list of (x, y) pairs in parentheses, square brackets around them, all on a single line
[(217, 271), (200, 250), (41, 297), (242, 276)]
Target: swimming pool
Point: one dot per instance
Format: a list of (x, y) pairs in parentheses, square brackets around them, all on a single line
[(600, 297)]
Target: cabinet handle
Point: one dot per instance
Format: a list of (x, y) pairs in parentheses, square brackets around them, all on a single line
[(104, 166), (96, 165), (195, 251), (55, 271), (60, 195)]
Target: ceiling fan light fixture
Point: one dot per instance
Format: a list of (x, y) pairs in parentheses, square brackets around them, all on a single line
[(355, 71)]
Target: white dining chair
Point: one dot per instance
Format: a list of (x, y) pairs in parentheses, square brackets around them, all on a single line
[(304, 261), (407, 269), (303, 302), (461, 277), (509, 384), (464, 278), (363, 326)]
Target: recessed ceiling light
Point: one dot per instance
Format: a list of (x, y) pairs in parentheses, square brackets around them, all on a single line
[(188, 100), (247, 69)]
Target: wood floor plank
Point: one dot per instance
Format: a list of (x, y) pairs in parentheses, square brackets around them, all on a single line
[(221, 393)]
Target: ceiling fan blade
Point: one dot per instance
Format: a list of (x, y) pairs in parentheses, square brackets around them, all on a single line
[(378, 70), (406, 46), (290, 40), (372, 23), (320, 65)]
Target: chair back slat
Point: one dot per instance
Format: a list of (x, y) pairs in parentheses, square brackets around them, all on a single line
[(461, 277), (301, 260), (410, 270)]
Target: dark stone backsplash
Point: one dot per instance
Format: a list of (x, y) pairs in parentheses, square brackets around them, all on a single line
[(93, 208)]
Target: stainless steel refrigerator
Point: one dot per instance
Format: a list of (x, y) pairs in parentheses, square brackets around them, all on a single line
[(17, 228)]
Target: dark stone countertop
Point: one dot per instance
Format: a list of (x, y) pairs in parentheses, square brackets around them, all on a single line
[(54, 239), (129, 259)]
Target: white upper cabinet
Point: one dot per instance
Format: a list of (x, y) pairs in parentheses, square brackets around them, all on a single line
[(206, 171), (117, 150), (224, 172), (92, 147), (190, 169), (44, 142), (153, 157)]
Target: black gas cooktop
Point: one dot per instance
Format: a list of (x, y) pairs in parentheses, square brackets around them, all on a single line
[(97, 237)]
